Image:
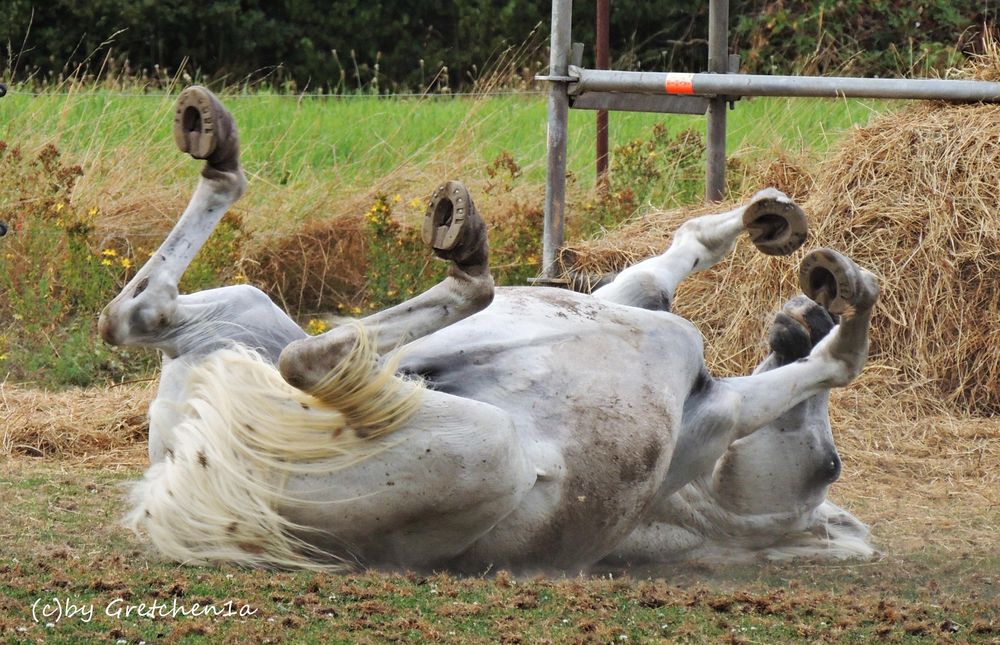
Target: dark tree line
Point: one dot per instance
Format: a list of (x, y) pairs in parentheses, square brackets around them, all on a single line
[(390, 45)]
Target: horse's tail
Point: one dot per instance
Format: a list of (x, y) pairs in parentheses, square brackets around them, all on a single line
[(245, 431)]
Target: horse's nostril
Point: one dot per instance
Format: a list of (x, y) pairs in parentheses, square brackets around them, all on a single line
[(830, 470), (140, 287)]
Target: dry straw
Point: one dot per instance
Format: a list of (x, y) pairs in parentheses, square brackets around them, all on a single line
[(914, 198), (101, 424)]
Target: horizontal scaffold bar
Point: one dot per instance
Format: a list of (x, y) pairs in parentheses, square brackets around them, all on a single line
[(737, 85), (635, 102)]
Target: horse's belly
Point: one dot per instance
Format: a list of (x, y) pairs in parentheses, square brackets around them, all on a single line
[(560, 357), (595, 392)]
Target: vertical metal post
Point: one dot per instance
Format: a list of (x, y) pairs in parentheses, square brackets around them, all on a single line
[(718, 63), (555, 177), (603, 62)]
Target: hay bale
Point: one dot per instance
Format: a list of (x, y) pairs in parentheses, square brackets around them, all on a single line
[(913, 198)]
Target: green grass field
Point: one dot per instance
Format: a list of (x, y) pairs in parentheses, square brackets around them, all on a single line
[(340, 147)]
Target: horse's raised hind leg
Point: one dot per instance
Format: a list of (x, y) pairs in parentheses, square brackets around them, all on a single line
[(149, 312), (455, 232), (774, 223), (147, 306)]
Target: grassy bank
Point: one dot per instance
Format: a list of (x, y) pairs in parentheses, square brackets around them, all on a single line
[(340, 147)]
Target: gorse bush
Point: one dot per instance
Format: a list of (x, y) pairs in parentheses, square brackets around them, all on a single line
[(399, 263), (54, 279), (860, 37)]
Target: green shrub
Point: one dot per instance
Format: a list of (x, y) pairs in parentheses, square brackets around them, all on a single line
[(56, 274), (662, 171), (859, 37)]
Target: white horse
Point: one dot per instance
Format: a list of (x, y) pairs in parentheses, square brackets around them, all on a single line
[(471, 428)]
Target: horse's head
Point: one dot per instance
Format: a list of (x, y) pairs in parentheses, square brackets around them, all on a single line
[(789, 464)]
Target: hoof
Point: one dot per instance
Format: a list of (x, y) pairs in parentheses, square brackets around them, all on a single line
[(797, 328), (204, 129), (836, 283), (452, 226), (777, 226)]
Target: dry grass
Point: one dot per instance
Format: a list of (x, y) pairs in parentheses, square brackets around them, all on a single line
[(321, 266), (912, 198), (984, 66), (920, 480), (94, 425)]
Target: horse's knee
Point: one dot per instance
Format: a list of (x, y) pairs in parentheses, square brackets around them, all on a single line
[(304, 363)]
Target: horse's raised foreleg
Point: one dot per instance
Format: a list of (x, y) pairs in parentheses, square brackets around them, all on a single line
[(775, 225), (455, 232), (846, 291), (720, 411)]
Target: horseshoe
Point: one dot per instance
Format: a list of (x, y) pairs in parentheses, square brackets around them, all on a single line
[(775, 226), (195, 122), (446, 215), (830, 279)]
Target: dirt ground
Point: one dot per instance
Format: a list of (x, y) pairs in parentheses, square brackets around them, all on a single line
[(929, 487)]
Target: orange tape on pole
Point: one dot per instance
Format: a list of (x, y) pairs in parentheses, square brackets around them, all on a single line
[(679, 83)]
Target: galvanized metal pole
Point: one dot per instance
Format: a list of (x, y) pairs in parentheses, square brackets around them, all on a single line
[(595, 81), (555, 177), (603, 61), (718, 63)]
